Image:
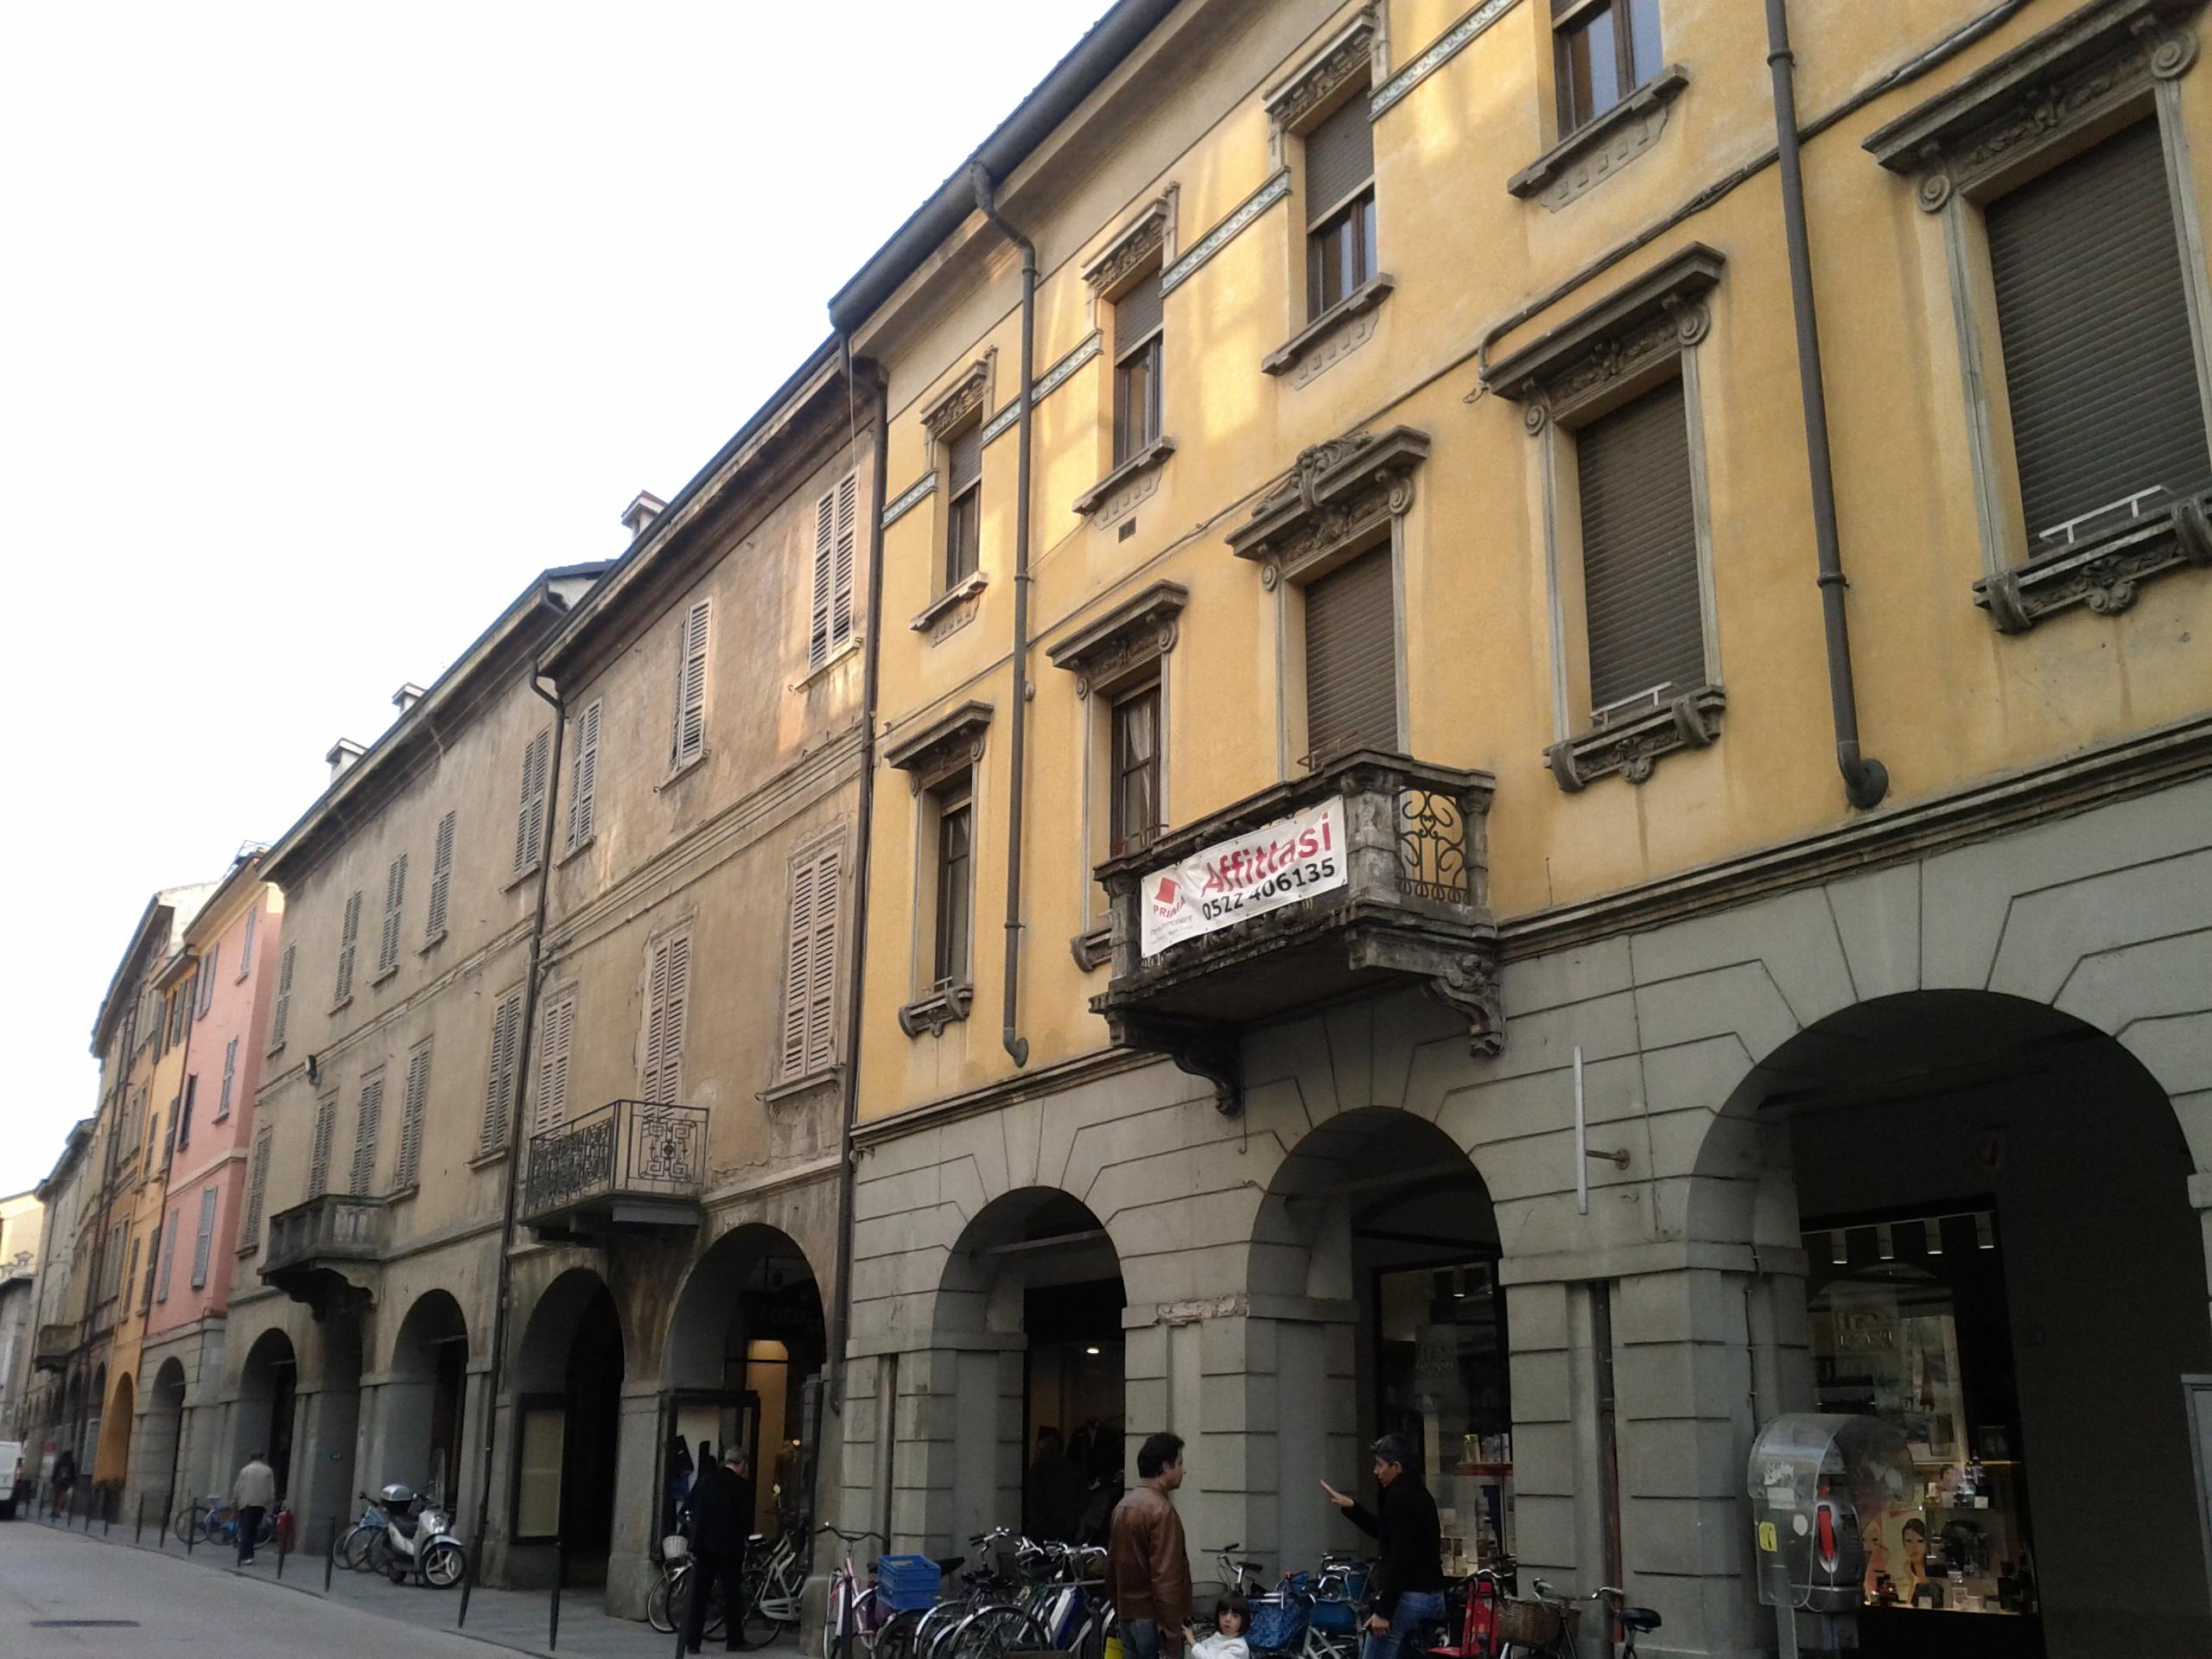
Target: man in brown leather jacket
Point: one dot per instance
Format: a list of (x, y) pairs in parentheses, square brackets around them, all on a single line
[(1148, 1564)]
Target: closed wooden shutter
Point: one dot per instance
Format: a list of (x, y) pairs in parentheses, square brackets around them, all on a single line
[(1339, 158), (2099, 368), (530, 815), (349, 936), (230, 1078), (687, 738), (257, 1193), (246, 945), (1352, 657), (967, 462), (368, 1121), (825, 544), (281, 1016), (441, 878), (582, 801), (165, 1246), (668, 975), (206, 983), (325, 1127), (206, 1241), (550, 1109), (395, 896), (1639, 550), (1136, 314), (845, 560), (499, 1083), (412, 1106), (810, 969)]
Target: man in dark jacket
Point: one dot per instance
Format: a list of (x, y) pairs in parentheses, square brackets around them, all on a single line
[(721, 1520), (1407, 1589)]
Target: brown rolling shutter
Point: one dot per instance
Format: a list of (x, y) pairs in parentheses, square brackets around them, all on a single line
[(1339, 158), (1352, 657), (1136, 314), (967, 460), (1639, 549), (2099, 367)]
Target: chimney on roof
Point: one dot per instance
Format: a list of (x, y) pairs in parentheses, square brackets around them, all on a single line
[(407, 696), (638, 516), (343, 754)]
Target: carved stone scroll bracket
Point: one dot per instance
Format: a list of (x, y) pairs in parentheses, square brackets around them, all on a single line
[(1633, 748), (1470, 988), (946, 1005), (1211, 1052), (2105, 575)]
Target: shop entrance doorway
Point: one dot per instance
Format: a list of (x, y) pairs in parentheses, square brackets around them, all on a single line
[(2002, 1262), (162, 1452), (568, 1412), (422, 1401), (268, 1385)]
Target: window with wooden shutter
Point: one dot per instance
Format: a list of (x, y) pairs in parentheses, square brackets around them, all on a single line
[(810, 966), (441, 879), (1340, 204), (395, 895), (530, 817), (230, 1080), (349, 936), (325, 1127), (206, 981), (368, 1120), (499, 1083), (830, 619), (687, 737), (184, 1118), (2100, 372), (165, 1246), (668, 982), (1137, 344), (413, 1104), (281, 1016), (964, 497), (245, 944), (256, 1191), (584, 791), (1352, 657), (550, 1108), (1640, 597), (206, 1241), (955, 876)]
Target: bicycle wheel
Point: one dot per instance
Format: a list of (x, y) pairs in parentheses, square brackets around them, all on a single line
[(998, 1631), (264, 1531), (838, 1612), (895, 1640), (187, 1525), (755, 1589), (361, 1547), (656, 1614)]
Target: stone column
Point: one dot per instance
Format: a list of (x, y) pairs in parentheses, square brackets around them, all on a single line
[(955, 1465), (630, 1569)]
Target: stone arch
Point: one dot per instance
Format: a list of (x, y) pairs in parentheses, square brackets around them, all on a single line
[(118, 1418), (421, 1399), (569, 1369), (162, 1476), (265, 1416)]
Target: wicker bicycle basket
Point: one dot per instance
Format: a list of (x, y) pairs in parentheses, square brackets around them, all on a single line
[(1534, 1624)]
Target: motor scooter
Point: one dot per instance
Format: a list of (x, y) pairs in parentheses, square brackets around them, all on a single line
[(417, 1540)]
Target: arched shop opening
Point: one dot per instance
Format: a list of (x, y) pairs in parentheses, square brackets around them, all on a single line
[(2001, 1261), (1031, 1305), (568, 1406), (161, 1450), (88, 1437), (1378, 1210), (268, 1387), (422, 1400), (114, 1464), (745, 1348)]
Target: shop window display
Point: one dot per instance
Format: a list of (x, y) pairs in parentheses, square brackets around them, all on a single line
[(1910, 1324), (1441, 1380)]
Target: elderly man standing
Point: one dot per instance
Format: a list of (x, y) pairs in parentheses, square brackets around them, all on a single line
[(251, 1496), (1148, 1564)]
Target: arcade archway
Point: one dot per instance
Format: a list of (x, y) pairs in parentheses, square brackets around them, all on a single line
[(162, 1440), (268, 1392), (568, 1409), (423, 1398)]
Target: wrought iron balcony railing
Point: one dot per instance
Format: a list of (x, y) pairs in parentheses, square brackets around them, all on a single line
[(629, 1163), (1371, 871), (326, 1250), (52, 1346)]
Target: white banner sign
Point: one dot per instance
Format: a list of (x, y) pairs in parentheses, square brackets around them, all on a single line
[(1281, 863)]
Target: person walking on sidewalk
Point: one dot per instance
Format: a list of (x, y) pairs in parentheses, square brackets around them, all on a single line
[(1148, 1564), (251, 1495), (721, 1520), (1407, 1589)]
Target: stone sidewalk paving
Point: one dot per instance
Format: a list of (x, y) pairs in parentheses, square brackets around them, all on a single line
[(516, 1619)]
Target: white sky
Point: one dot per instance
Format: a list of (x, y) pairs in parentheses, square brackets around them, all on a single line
[(322, 327)]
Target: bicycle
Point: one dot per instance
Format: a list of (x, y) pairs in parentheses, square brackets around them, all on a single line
[(355, 1546), (853, 1611), (213, 1520), (1547, 1625), (771, 1586), (669, 1599)]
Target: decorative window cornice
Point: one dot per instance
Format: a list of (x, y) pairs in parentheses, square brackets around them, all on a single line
[(1137, 632), (2052, 87), (947, 744), (1349, 55), (1143, 239), (965, 399), (1587, 359), (1337, 493)]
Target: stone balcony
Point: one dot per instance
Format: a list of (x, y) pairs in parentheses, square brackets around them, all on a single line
[(629, 1165), (52, 1344), (328, 1251), (1368, 873)]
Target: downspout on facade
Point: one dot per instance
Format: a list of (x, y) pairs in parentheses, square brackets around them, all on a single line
[(1018, 730), (1865, 781)]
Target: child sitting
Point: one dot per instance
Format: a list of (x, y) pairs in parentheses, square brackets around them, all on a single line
[(1232, 1617)]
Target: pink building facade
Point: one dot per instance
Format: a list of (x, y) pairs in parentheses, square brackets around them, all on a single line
[(181, 1446)]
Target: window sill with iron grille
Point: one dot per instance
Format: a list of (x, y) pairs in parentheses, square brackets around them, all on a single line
[(850, 648), (1336, 332), (519, 877), (574, 848), (1142, 465), (678, 773), (945, 1005), (796, 1086), (2103, 572), (1631, 742), (950, 600), (384, 973), (485, 1160), (1601, 146), (431, 943)]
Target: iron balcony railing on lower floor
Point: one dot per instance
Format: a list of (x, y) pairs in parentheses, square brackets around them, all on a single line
[(628, 1163), (52, 1346)]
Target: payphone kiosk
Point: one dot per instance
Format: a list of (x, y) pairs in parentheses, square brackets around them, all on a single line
[(1817, 1482)]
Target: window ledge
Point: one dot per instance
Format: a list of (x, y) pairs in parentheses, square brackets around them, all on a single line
[(944, 1006), (677, 773), (485, 1160), (966, 588), (1333, 336), (575, 846), (401, 1194), (851, 647), (519, 876), (1093, 947), (1633, 746), (2103, 575), (1145, 461), (1600, 147), (341, 1005), (272, 1050), (244, 1250), (796, 1086), (431, 943), (384, 973)]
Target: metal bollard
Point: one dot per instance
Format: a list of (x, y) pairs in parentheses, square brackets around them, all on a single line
[(329, 1554), (467, 1583), (139, 1531), (192, 1530), (553, 1619), (107, 1513), (678, 1617), (284, 1542)]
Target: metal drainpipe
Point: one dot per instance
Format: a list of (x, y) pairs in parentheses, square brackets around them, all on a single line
[(522, 1034), (1017, 732), (1865, 781)]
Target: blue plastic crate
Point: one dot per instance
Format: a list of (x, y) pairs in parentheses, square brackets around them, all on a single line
[(1334, 1617), (904, 1581)]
